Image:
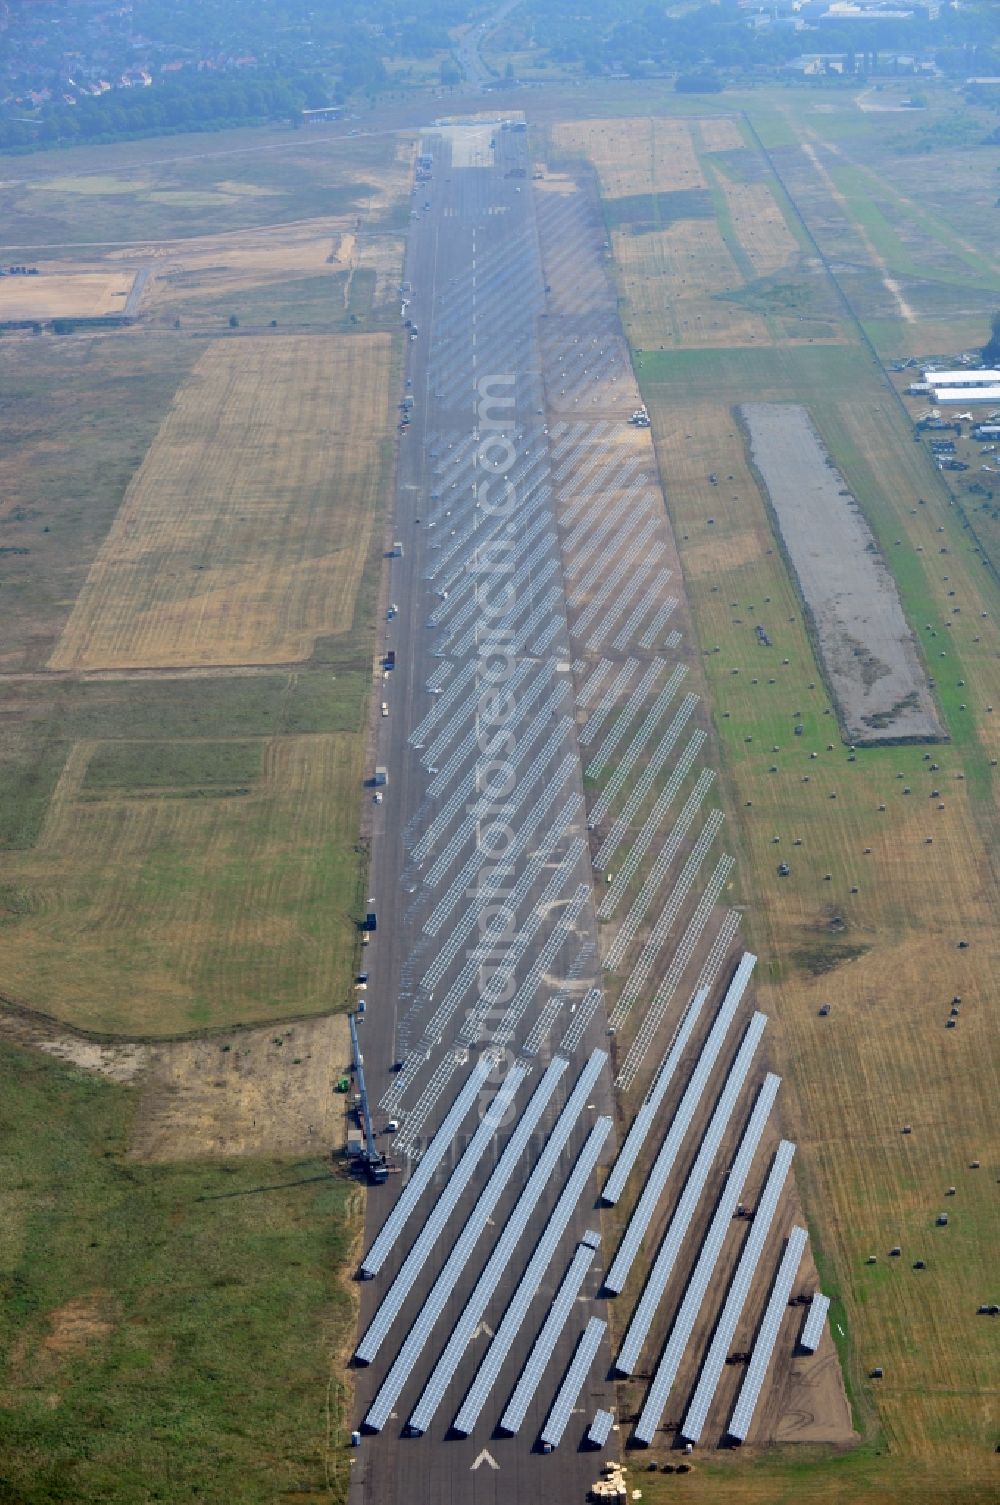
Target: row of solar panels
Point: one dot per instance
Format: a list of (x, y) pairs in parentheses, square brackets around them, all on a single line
[(519, 1219), (469, 1321)]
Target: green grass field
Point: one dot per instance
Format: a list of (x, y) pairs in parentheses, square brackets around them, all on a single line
[(168, 1333), (192, 186), (181, 851)]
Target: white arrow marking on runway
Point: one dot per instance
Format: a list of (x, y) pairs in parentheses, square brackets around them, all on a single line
[(485, 1457)]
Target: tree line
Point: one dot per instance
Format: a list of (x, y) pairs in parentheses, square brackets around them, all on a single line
[(198, 103)]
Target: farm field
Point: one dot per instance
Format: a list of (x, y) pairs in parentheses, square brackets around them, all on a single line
[(888, 909), (271, 228), (183, 848), (243, 536), (57, 294), (188, 587), (181, 851)]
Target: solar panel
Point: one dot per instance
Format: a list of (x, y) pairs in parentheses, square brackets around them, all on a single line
[(542, 1026), (432, 1230), (436, 1299), (658, 1090), (646, 1116), (689, 1199), (548, 1336), (444, 1369), (569, 1391), (687, 1312), (577, 1027), (620, 824), (510, 1325), (600, 1429), (664, 1162), (435, 1152), (812, 1327), (763, 1217), (753, 1380), (625, 873)]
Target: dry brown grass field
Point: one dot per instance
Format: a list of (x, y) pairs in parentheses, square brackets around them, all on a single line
[(209, 276), (57, 294), (721, 135), (879, 941), (887, 913), (634, 156), (181, 851), (191, 870), (671, 282), (760, 226), (243, 259), (690, 277), (243, 534)]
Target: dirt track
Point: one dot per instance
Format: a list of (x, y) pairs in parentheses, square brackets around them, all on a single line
[(866, 646)]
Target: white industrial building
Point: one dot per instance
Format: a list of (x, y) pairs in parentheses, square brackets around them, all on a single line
[(961, 386)]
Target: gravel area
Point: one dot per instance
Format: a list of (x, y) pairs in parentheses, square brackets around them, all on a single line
[(868, 651)]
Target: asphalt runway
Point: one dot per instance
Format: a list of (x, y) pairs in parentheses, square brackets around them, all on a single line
[(473, 264), (545, 745)]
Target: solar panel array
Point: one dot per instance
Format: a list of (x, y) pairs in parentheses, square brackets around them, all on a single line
[(753, 1380), (542, 1027), (620, 824), (548, 1335), (569, 1391), (584, 566), (763, 1217), (600, 1428), (687, 1312), (444, 1369), (513, 1317), (664, 1163), (432, 1231), (646, 1116), (812, 1328), (584, 1012), (690, 1197), (429, 1162), (683, 954), (436, 1299)]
